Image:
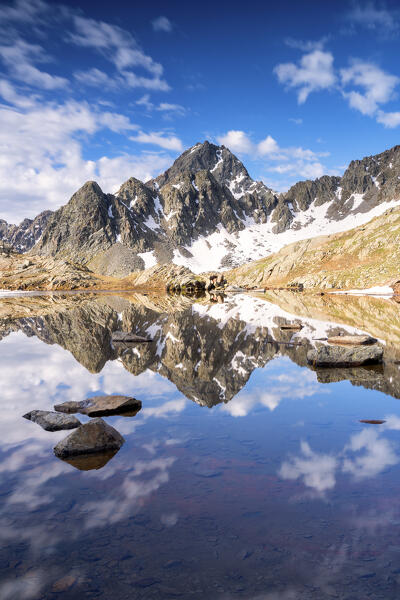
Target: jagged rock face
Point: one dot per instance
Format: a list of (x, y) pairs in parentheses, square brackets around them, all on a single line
[(248, 198), (303, 193), (90, 224), (208, 192), (24, 236), (206, 188)]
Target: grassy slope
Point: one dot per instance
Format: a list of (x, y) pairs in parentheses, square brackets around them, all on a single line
[(361, 257)]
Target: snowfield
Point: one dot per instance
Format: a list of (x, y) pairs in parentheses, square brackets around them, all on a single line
[(257, 240)]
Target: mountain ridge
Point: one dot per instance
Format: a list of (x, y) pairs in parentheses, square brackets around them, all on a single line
[(206, 212)]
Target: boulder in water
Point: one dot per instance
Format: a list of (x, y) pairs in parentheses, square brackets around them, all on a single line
[(52, 421), (337, 356), (101, 406), (90, 438)]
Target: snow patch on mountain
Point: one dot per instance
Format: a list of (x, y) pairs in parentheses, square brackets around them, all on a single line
[(148, 258), (257, 240)]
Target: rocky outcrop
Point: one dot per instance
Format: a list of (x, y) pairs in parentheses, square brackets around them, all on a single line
[(167, 277), (44, 273), (335, 356), (24, 236), (101, 406), (52, 421), (90, 438)]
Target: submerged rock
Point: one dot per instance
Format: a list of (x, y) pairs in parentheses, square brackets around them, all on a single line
[(352, 340), (90, 462), (102, 406), (337, 356), (92, 437), (52, 421)]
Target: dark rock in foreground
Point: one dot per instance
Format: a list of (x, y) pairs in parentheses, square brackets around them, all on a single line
[(337, 356), (102, 406), (352, 340), (90, 438), (52, 421)]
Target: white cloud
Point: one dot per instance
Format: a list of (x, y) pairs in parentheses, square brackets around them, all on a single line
[(120, 48), (175, 108), (237, 141), (162, 24), (373, 454), (96, 78), (377, 85), (389, 120), (315, 72), (366, 455), (145, 101), (293, 160), (304, 169), (372, 17), (306, 45), (268, 146), (18, 58), (10, 95), (41, 157), (363, 84), (316, 469), (165, 107), (287, 387), (296, 121), (24, 587), (169, 142), (23, 11)]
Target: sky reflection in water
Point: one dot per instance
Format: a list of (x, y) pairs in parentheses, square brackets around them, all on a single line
[(280, 493)]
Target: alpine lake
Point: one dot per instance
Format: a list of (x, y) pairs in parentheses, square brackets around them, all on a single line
[(246, 474)]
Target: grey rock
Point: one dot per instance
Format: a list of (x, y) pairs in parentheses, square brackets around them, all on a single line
[(339, 356), (92, 437), (97, 406), (24, 236), (52, 421)]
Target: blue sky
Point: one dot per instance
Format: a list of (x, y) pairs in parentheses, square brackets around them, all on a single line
[(106, 91)]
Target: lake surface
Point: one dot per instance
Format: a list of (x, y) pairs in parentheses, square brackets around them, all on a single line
[(245, 475)]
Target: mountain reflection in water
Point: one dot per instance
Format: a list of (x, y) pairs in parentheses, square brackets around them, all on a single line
[(276, 492)]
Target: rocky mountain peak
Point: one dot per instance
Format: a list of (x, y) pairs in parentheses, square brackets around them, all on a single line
[(206, 212), (218, 160)]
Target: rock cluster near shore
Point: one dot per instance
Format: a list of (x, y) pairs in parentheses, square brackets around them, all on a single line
[(90, 438), (95, 437), (101, 406), (52, 421)]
